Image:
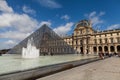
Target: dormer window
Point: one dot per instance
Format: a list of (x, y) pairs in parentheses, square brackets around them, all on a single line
[(81, 24), (84, 23)]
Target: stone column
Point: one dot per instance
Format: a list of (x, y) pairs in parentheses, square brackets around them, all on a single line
[(115, 48), (74, 49), (85, 50), (78, 49), (103, 49), (90, 50), (109, 49), (97, 49)]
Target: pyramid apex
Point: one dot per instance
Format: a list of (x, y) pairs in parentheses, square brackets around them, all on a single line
[(44, 25)]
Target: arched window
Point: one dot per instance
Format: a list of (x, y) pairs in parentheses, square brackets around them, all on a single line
[(95, 49), (106, 48), (100, 49), (112, 48), (118, 48)]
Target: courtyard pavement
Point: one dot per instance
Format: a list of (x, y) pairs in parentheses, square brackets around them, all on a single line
[(107, 69)]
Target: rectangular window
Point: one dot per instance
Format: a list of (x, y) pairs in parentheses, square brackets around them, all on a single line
[(76, 48), (95, 36), (111, 40), (105, 35), (99, 35), (111, 34), (87, 41), (95, 41), (76, 42), (105, 40), (80, 42), (118, 39), (100, 41), (117, 33)]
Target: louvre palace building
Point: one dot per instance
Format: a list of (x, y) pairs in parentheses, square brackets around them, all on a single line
[(84, 40)]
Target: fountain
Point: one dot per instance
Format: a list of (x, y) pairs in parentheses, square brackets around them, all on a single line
[(30, 51)]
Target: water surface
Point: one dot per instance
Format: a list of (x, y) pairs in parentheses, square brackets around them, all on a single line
[(12, 63)]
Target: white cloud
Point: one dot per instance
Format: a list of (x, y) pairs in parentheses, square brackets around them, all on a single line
[(20, 22), (65, 17), (49, 3), (28, 10), (115, 26), (92, 14), (16, 35), (5, 46), (10, 42), (45, 22), (95, 18), (101, 13), (4, 6), (64, 29), (18, 26)]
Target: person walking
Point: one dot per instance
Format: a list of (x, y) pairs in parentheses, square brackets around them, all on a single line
[(101, 55)]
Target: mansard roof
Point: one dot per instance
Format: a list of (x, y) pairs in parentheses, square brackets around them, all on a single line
[(83, 23)]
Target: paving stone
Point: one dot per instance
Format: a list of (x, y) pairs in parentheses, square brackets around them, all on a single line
[(107, 69)]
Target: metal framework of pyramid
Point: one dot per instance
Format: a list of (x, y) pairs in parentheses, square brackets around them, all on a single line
[(46, 40)]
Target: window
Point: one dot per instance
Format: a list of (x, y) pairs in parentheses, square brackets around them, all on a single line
[(77, 32), (95, 36), (81, 24), (87, 41), (76, 42), (111, 34), (105, 40), (105, 35), (100, 41), (117, 33), (81, 42), (76, 48), (111, 40), (118, 39), (95, 41), (85, 24)]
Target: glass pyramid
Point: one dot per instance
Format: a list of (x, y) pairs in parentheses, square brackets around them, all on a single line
[(46, 40)]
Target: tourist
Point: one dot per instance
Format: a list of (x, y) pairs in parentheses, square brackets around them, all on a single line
[(101, 55), (107, 54), (118, 54), (115, 53)]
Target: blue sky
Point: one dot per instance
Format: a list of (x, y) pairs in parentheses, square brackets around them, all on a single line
[(19, 18)]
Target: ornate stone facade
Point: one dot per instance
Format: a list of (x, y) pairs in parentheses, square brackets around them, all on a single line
[(86, 40)]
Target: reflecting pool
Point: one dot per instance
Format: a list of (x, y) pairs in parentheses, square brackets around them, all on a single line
[(12, 63)]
